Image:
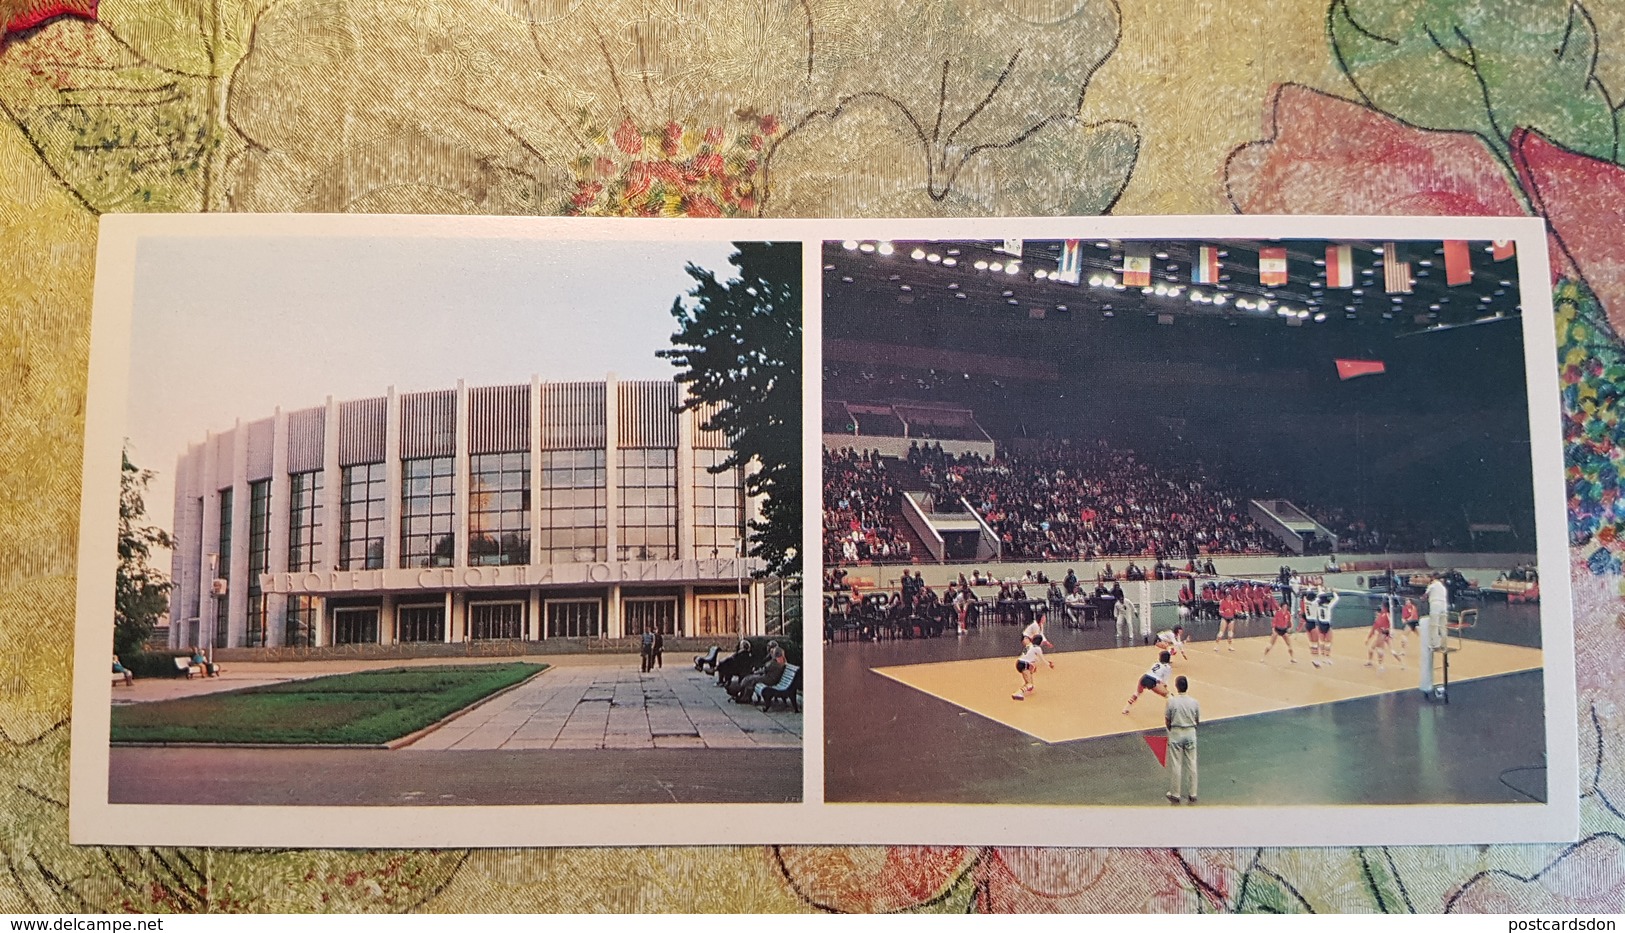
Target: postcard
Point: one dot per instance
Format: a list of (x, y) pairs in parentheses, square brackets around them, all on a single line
[(496, 531)]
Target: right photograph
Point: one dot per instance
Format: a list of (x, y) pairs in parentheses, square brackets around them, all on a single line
[(1188, 522)]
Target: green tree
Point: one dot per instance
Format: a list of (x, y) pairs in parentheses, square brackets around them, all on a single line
[(142, 591), (739, 347)]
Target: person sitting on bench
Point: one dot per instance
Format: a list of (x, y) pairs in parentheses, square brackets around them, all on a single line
[(768, 673), (202, 663), (118, 668)]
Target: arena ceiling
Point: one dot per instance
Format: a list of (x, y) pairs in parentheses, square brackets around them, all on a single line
[(940, 275)]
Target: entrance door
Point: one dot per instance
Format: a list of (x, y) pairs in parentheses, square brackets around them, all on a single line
[(650, 614), (355, 626)]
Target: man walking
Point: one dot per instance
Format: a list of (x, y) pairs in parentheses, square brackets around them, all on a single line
[(1181, 718)]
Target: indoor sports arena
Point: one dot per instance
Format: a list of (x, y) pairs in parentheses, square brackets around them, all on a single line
[(541, 510), (1302, 468)]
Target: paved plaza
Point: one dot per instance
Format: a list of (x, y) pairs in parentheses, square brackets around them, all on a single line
[(616, 707), (589, 729)]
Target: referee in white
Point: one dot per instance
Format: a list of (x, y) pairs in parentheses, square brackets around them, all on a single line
[(1433, 627)]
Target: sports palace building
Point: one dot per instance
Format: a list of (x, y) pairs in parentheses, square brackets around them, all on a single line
[(523, 512)]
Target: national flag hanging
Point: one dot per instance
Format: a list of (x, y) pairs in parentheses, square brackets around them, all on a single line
[(1458, 264), (1205, 270), (1339, 267), (1501, 249), (1272, 265), (1396, 275), (1070, 268), (1010, 247), (1350, 369), (1159, 747), (1137, 266)]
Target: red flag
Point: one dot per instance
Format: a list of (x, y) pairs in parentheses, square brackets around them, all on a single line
[(1272, 265), (1501, 249), (1458, 265), (1349, 369), (1159, 747)]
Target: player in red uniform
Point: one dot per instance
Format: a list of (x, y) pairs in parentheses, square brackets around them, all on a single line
[(1409, 617), (1282, 624), (1378, 638), (1227, 621)]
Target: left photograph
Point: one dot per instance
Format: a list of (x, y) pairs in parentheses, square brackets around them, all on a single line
[(448, 513)]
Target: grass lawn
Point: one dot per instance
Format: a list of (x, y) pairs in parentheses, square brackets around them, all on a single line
[(365, 708)]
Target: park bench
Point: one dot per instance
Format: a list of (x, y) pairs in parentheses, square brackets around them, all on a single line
[(186, 666), (785, 689), (707, 662)]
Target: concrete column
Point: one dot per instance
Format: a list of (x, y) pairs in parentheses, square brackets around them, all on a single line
[(533, 616), (534, 443), (614, 627), (456, 616), (209, 486), (685, 479), (392, 479), (386, 620), (332, 485), (612, 471), (276, 604), (237, 628), (459, 482), (183, 600)]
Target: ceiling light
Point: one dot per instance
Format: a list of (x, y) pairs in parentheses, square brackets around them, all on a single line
[(933, 257), (918, 254), (981, 264), (884, 249), (866, 247), (849, 244), (995, 267), (949, 261)]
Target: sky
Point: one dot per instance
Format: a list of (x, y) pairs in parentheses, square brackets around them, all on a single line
[(233, 328)]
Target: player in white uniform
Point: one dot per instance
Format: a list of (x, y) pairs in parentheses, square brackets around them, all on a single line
[(1031, 654), (1172, 640), (1155, 680), (1324, 603), (1035, 631)]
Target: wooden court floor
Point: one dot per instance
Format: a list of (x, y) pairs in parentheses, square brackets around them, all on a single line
[(1083, 695), (1273, 734)]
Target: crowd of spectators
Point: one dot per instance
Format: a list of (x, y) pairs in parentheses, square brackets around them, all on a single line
[(1056, 502), (858, 498), (1080, 502)]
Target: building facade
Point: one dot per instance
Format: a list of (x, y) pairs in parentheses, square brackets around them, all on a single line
[(526, 512)]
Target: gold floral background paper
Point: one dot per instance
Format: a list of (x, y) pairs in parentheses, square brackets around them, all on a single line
[(781, 108)]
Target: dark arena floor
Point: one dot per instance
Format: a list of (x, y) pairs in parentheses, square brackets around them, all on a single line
[(888, 742)]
